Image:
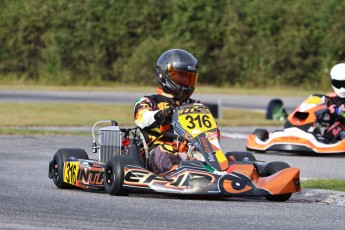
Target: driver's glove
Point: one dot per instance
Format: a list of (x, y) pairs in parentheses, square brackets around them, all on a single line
[(164, 114), (333, 109)]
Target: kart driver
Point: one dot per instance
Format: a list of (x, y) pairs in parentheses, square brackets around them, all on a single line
[(336, 104), (177, 73)]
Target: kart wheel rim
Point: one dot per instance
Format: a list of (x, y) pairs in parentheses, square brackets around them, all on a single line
[(109, 175), (55, 171)]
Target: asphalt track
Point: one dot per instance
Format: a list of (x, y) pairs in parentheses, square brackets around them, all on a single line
[(30, 200)]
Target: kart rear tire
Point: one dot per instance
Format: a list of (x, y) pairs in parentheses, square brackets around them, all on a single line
[(240, 156), (114, 176), (262, 134), (58, 163), (270, 169)]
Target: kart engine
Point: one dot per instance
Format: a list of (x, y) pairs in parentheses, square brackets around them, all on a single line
[(109, 141)]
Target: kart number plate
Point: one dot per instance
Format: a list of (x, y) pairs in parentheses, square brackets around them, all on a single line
[(71, 172), (196, 124)]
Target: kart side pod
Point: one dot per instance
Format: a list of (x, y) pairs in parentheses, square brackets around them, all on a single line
[(109, 140)]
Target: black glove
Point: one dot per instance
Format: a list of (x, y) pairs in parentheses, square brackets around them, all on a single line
[(164, 114)]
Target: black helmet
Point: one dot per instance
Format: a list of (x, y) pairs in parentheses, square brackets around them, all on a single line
[(177, 73)]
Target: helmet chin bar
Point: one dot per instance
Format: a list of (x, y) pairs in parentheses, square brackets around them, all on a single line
[(340, 92), (179, 92)]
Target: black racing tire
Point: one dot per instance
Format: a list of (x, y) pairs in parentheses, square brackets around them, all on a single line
[(58, 163), (270, 169), (274, 106), (114, 174), (262, 134), (240, 156)]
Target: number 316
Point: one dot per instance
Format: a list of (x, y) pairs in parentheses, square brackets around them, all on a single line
[(203, 120)]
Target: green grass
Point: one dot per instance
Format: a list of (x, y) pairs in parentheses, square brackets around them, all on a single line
[(75, 114), (328, 184), (62, 114), (27, 131), (242, 117)]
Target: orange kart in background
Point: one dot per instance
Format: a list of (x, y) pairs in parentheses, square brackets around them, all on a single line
[(303, 131)]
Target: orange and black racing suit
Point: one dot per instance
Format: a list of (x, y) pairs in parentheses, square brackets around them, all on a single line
[(163, 154)]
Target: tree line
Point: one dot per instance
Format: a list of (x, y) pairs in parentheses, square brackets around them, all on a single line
[(251, 43)]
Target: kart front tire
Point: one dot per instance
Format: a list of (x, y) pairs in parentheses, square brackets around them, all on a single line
[(58, 164), (114, 176), (262, 134), (270, 169)]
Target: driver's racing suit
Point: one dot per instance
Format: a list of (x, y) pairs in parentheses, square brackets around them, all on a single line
[(336, 126), (163, 150)]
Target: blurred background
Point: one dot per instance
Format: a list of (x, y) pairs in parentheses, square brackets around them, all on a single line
[(251, 43)]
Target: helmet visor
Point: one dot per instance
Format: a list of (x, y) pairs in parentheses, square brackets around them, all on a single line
[(184, 78), (338, 84)]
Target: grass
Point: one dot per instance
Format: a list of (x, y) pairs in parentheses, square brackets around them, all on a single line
[(329, 184), (75, 114), (26, 131), (62, 114)]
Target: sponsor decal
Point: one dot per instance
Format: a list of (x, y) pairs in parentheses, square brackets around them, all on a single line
[(205, 144), (91, 176), (186, 111), (142, 177), (191, 68), (196, 131), (290, 138), (212, 135), (210, 157)]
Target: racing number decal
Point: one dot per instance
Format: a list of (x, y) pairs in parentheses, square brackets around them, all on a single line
[(71, 172), (201, 121), (195, 124)]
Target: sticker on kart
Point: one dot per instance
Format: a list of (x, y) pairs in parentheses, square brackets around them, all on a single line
[(71, 172), (196, 123)]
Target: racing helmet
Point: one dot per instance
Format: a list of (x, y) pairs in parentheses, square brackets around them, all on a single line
[(338, 79), (177, 73)]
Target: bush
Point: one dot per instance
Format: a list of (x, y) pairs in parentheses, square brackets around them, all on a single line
[(259, 43)]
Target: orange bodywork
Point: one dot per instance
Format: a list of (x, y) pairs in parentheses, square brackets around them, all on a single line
[(285, 181), (273, 183), (311, 118), (339, 147)]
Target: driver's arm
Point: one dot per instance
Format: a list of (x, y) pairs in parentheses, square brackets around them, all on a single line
[(144, 116)]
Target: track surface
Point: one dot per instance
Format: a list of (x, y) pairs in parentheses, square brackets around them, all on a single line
[(30, 200)]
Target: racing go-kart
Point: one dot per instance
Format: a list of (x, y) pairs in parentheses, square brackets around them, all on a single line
[(304, 132), (122, 165)]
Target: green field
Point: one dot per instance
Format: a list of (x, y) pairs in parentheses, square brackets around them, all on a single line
[(329, 184), (17, 117)]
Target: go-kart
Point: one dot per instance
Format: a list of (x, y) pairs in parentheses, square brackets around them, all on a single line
[(304, 131), (122, 166)]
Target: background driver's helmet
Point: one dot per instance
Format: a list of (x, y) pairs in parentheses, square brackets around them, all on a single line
[(177, 73), (338, 79)]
